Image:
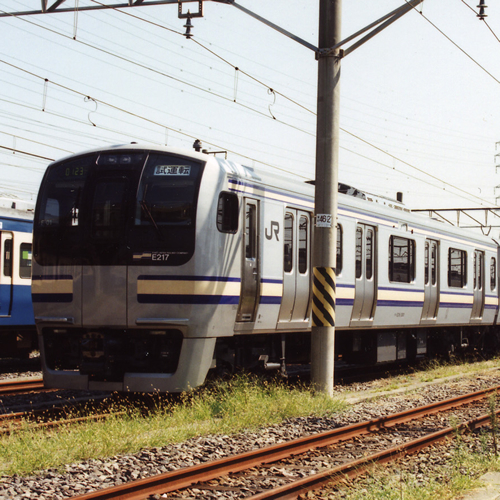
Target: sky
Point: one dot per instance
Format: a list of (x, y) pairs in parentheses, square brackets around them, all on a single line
[(420, 102)]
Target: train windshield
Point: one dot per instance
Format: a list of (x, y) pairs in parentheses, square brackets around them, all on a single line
[(118, 208)]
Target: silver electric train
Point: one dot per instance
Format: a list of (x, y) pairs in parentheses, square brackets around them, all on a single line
[(153, 266)]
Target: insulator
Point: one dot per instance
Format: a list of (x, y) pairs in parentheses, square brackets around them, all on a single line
[(188, 27), (481, 8)]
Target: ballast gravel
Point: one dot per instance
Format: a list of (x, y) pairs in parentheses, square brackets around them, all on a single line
[(78, 479)]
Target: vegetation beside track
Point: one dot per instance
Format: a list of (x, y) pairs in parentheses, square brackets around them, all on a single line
[(469, 458), (433, 371), (226, 407), (223, 407)]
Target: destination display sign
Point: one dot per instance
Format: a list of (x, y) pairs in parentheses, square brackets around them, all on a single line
[(172, 170)]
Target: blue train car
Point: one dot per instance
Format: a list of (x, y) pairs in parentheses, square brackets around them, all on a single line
[(17, 324)]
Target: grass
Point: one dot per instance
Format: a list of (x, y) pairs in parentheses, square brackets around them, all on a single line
[(469, 458), (432, 371), (225, 407)]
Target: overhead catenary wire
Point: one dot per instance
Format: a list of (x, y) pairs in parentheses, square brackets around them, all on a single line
[(457, 46), (174, 31), (218, 146), (367, 142), (482, 19)]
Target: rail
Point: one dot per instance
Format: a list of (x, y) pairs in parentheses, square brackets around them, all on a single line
[(18, 386), (183, 478)]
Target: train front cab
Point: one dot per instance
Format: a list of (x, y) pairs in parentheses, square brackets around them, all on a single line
[(115, 288)]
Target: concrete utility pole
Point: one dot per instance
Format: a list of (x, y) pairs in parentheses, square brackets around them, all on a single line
[(327, 165)]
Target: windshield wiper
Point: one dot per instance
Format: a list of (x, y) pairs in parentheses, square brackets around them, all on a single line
[(146, 209)]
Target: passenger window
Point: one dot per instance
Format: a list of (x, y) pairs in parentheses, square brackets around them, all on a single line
[(401, 259), (338, 268), (434, 264), (251, 231), (369, 254), (478, 270), (7, 258), (303, 248), (457, 268), (25, 261), (426, 263), (288, 244), (227, 213), (359, 251), (493, 273)]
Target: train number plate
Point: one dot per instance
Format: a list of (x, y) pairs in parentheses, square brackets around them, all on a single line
[(323, 220), (172, 170)]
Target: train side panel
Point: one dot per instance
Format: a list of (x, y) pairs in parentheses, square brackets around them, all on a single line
[(17, 326)]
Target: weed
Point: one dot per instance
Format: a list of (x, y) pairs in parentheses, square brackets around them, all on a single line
[(222, 407)]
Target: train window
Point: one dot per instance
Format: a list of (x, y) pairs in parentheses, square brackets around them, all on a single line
[(359, 252), (401, 259), (426, 263), (7, 258), (108, 208), (369, 254), (478, 270), (303, 247), (288, 244), (457, 268), (168, 192), (338, 268), (63, 196), (227, 213), (117, 208), (25, 260), (251, 231), (434, 264), (493, 273)]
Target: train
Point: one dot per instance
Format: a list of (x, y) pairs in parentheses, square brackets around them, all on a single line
[(155, 266), (17, 322)]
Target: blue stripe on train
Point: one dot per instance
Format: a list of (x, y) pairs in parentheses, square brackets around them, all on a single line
[(22, 309), (187, 299)]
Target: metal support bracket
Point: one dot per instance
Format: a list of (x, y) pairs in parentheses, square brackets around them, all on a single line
[(339, 53), (190, 14)]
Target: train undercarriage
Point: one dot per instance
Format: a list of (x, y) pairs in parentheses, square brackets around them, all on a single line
[(106, 354)]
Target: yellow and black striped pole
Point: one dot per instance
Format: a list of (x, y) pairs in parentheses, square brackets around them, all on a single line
[(323, 304)]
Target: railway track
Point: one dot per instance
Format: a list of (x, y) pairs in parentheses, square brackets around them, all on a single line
[(201, 476), (19, 386), (47, 419)]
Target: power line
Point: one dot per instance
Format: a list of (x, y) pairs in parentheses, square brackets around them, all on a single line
[(456, 45), (26, 153), (183, 82), (244, 156)]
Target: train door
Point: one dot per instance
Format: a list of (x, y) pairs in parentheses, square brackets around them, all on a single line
[(478, 301), (431, 281), (296, 274), (250, 275), (6, 261), (365, 291), (105, 277)]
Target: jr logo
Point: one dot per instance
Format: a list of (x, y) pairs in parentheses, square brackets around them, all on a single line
[(274, 230)]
